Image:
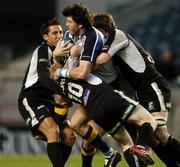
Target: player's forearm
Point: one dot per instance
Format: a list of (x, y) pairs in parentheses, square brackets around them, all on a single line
[(102, 58), (77, 73)]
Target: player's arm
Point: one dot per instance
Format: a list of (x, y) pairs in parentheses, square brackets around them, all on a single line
[(75, 69), (82, 71), (43, 71), (103, 58), (88, 57), (116, 41)]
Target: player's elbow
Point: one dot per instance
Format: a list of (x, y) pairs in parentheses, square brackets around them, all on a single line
[(99, 61), (102, 58)]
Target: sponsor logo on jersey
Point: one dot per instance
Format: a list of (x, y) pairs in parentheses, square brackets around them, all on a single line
[(151, 105), (128, 111), (43, 60)]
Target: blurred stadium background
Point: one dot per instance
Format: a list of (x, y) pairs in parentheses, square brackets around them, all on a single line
[(154, 23)]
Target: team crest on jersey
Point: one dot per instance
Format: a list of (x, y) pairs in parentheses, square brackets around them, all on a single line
[(151, 105)]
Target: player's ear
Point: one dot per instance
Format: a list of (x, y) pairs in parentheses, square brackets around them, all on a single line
[(80, 25), (45, 37)]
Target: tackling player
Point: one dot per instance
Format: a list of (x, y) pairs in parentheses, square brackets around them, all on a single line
[(36, 102), (151, 87)]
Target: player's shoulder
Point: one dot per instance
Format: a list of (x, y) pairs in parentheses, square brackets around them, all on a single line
[(119, 34), (93, 33)]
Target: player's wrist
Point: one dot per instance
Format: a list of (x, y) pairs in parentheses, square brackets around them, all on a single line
[(63, 73)]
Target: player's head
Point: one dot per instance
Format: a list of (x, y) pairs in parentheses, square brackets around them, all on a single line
[(77, 17), (51, 31), (104, 22)]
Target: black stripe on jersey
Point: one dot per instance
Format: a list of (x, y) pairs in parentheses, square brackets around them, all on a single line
[(109, 41), (93, 45)]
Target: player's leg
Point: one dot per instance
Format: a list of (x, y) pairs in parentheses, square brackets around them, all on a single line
[(79, 124), (116, 108), (67, 135), (124, 139), (146, 124), (157, 102), (88, 150), (49, 128), (41, 122), (133, 158), (168, 148), (138, 115), (68, 138)]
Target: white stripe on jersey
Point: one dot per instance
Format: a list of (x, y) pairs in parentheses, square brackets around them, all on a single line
[(94, 45), (32, 75), (31, 112), (159, 95), (126, 97)]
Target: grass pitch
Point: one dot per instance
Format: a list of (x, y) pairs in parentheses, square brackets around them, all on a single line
[(42, 161)]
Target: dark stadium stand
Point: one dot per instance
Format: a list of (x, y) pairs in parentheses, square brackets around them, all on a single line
[(161, 33)]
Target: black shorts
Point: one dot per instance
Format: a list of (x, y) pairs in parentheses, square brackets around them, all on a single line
[(111, 109), (35, 110), (156, 96)]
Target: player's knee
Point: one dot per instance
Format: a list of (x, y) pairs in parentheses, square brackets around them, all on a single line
[(52, 134), (151, 121), (75, 126), (68, 136), (142, 116), (161, 135)]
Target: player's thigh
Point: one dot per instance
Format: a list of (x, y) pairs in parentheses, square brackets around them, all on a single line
[(38, 117), (140, 116), (79, 117)]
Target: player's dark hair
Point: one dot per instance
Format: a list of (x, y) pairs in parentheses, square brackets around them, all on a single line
[(80, 14), (104, 21), (45, 26)]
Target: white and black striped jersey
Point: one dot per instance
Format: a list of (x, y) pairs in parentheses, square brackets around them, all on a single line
[(134, 62), (37, 80)]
